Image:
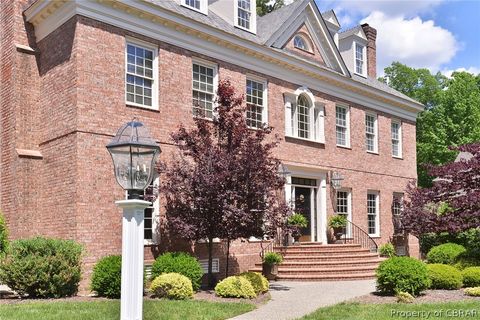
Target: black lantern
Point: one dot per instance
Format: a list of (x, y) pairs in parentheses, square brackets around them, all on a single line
[(134, 154)]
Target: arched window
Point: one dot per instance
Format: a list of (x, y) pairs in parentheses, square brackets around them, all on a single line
[(303, 117), (300, 43)]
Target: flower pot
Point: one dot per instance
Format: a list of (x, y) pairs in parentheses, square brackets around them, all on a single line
[(270, 271), (338, 233)]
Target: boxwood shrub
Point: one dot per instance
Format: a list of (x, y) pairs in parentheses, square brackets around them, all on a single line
[(42, 268), (235, 287), (444, 276), (402, 274), (179, 262), (447, 253), (107, 277), (471, 277), (172, 286), (257, 280)]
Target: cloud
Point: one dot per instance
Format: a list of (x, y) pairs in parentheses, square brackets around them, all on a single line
[(472, 70), (414, 42)]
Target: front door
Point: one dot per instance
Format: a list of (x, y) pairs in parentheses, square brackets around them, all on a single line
[(303, 206)]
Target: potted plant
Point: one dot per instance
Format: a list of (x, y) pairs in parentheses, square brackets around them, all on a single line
[(337, 223), (297, 221), (271, 260)]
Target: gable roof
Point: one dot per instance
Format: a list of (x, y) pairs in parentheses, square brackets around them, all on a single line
[(331, 17), (355, 30)]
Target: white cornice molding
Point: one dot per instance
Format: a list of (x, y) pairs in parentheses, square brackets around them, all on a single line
[(155, 22)]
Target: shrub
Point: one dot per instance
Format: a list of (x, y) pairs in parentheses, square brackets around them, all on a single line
[(446, 253), (3, 236), (272, 258), (172, 286), (404, 297), (179, 262), (257, 280), (464, 262), (402, 274), (387, 250), (235, 287), (107, 277), (43, 268), (470, 239), (444, 276), (471, 277), (337, 221), (474, 292), (297, 220)]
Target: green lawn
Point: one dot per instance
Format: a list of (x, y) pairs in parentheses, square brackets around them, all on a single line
[(103, 310), (357, 311)]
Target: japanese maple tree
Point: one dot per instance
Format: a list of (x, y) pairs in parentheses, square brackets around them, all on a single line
[(224, 181), (452, 204)]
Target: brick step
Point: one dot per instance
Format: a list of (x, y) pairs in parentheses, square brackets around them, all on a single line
[(329, 277), (316, 257), (324, 271), (323, 252), (332, 264), (322, 246)]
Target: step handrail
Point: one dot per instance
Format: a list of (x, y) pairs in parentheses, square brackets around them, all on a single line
[(358, 236)]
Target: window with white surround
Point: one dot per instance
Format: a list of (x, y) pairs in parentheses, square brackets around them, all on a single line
[(371, 135), (204, 83), (342, 120), (141, 76), (344, 205), (359, 59), (304, 118), (197, 5), (373, 213), (245, 15), (396, 139), (299, 42), (256, 102)]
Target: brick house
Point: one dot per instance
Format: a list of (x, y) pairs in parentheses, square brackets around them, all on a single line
[(74, 71)]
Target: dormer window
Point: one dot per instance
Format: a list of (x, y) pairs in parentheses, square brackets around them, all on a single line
[(359, 59), (197, 5), (245, 15), (301, 43)]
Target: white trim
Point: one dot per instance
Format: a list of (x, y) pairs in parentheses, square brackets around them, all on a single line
[(377, 215), (375, 129), (155, 73), (400, 136), (364, 59), (203, 6), (273, 62), (347, 119), (263, 81), (211, 65), (253, 17)]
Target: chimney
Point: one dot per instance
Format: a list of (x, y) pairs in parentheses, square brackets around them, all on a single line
[(371, 34)]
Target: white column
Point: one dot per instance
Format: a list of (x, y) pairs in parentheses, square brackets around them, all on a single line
[(132, 258)]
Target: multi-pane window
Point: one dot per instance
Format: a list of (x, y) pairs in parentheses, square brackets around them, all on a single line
[(342, 126), (255, 103), (140, 75), (359, 58), (193, 3), (300, 43), (149, 213), (244, 13), (396, 139), (203, 90), (372, 213), (371, 132), (343, 207), (303, 118)]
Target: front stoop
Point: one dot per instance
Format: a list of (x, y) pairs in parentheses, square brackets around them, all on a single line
[(335, 262)]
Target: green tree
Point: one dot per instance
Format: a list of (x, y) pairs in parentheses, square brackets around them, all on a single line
[(267, 6), (452, 114)]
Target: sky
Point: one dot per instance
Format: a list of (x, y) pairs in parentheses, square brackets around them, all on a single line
[(440, 35)]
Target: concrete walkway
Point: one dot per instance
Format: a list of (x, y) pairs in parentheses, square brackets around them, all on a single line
[(291, 300)]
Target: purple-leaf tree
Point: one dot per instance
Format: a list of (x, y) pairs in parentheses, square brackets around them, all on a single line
[(224, 181), (452, 204)]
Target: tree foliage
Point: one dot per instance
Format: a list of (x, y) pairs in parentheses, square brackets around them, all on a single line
[(451, 117), (452, 204), (267, 6), (224, 182)]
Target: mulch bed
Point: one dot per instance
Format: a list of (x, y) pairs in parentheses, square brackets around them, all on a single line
[(209, 295), (429, 296)]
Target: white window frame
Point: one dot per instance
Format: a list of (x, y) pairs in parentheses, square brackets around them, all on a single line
[(316, 114), (215, 265), (377, 214), (253, 16), (305, 42), (347, 125), (375, 132), (214, 66), (155, 79), (364, 58), (400, 139), (349, 207), (203, 6), (264, 82)]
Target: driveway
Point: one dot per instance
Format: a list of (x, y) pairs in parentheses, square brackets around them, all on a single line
[(291, 300)]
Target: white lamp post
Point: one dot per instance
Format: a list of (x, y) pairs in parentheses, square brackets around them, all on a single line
[(134, 154)]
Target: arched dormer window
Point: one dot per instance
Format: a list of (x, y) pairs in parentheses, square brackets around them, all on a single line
[(304, 117), (300, 42)]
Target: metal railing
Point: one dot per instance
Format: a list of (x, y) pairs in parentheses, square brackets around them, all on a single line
[(279, 240), (353, 234)]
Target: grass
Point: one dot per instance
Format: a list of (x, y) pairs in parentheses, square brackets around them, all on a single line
[(357, 311), (106, 310)]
